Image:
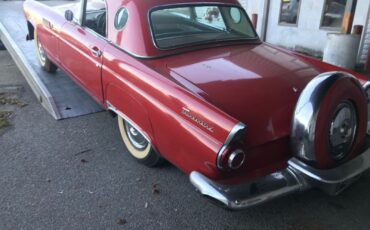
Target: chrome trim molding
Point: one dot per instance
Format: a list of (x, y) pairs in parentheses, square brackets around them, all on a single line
[(203, 3), (240, 127), (337, 175), (249, 194), (232, 157), (366, 88), (306, 111), (297, 177), (126, 118)]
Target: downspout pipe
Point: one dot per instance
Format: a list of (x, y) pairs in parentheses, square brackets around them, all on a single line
[(265, 19), (348, 17)]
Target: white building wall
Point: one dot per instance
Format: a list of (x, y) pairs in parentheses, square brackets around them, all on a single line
[(307, 33), (255, 7)]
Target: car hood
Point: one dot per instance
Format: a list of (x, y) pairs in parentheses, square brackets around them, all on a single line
[(257, 84)]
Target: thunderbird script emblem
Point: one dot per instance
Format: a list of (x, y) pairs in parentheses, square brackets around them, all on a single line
[(188, 114)]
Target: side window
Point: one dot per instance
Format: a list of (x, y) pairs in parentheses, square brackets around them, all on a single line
[(121, 19), (95, 16), (210, 16)]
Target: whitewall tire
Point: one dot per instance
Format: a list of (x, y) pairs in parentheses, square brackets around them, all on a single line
[(45, 63), (137, 145)]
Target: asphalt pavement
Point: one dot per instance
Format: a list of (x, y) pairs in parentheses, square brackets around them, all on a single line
[(76, 174)]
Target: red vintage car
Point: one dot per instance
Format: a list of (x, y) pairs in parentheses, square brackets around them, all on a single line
[(191, 82)]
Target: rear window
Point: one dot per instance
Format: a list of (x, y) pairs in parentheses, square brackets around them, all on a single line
[(188, 25)]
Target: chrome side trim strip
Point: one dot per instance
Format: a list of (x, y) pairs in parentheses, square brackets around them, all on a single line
[(119, 113), (238, 128)]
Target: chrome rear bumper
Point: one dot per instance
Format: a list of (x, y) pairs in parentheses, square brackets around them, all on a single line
[(296, 177)]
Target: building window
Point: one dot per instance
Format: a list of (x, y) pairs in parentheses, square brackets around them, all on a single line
[(333, 13), (289, 12)]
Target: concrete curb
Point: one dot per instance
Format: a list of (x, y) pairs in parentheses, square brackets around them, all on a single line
[(38, 87)]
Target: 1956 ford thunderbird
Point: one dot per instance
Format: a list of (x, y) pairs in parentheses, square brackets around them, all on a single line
[(191, 82)]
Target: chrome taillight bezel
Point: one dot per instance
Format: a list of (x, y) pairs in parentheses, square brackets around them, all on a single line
[(233, 161), (235, 135), (367, 93)]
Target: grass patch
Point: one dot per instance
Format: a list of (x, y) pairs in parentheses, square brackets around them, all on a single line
[(4, 100), (4, 119)]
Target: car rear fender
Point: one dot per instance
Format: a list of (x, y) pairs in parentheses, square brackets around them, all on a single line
[(128, 107)]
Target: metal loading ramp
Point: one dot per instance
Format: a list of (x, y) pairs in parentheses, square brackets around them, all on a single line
[(57, 93)]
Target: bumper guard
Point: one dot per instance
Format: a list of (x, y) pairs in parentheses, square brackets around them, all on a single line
[(297, 177)]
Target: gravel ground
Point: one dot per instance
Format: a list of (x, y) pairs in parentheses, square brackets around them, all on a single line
[(76, 174)]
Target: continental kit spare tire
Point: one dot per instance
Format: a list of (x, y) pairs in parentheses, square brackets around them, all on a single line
[(330, 121)]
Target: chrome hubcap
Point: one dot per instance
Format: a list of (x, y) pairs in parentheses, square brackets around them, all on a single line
[(41, 52), (342, 130), (135, 137)]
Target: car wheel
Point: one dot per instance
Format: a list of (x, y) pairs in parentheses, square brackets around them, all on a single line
[(137, 145), (341, 124), (330, 121), (46, 64)]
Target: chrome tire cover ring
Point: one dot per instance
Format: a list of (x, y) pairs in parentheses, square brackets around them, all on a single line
[(303, 136)]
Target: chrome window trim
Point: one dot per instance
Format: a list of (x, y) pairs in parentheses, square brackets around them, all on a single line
[(240, 127), (197, 4), (82, 19), (126, 118), (93, 32)]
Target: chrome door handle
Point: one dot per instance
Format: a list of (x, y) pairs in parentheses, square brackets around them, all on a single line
[(96, 51)]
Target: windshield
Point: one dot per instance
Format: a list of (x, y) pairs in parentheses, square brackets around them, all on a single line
[(188, 25)]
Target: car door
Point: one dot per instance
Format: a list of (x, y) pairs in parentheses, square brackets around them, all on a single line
[(82, 44)]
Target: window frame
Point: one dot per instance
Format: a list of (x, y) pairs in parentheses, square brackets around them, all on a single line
[(257, 38), (298, 15), (82, 19), (328, 28)]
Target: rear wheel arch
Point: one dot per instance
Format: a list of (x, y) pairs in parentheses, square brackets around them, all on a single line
[(125, 105), (131, 114), (31, 31)]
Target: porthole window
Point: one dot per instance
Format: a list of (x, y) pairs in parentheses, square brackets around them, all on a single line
[(121, 19), (235, 15)]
